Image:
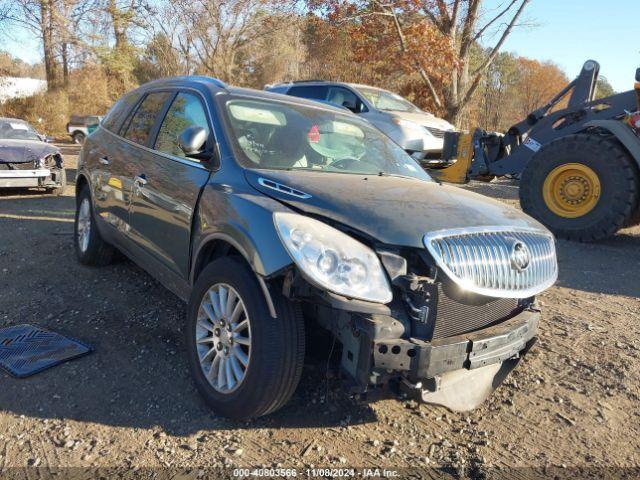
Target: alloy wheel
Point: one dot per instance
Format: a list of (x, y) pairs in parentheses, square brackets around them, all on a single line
[(83, 228), (223, 338)]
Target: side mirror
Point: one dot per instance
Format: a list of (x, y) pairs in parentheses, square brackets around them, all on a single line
[(638, 75), (192, 140), (416, 145)]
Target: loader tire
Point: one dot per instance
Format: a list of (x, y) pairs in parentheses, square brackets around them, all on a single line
[(582, 187), (634, 218)]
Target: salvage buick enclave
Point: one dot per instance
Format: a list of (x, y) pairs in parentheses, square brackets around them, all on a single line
[(271, 215)]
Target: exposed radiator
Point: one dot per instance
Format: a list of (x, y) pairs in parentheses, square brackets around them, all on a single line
[(455, 316)]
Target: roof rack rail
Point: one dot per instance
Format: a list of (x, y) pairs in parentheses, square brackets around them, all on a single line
[(311, 80), (201, 78)]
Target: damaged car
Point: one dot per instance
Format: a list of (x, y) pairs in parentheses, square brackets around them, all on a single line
[(27, 160), (277, 217)]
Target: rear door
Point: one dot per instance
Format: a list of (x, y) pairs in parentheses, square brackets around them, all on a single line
[(120, 155), (107, 164), (167, 185)]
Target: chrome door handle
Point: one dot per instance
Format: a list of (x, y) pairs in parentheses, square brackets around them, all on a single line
[(104, 160), (140, 180)]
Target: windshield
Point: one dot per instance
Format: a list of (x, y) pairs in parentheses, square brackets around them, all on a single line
[(14, 130), (283, 136), (384, 100)]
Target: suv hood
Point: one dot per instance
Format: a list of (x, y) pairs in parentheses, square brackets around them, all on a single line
[(392, 210), (424, 119), (22, 151)]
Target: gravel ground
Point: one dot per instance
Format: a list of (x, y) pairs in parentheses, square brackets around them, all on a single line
[(571, 406)]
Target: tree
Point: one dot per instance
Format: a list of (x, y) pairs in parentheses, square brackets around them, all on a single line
[(222, 36), (57, 24), (417, 27), (604, 88), (494, 107), (120, 61), (14, 67), (538, 82), (40, 16), (159, 59)]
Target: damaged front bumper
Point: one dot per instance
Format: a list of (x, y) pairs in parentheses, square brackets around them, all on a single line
[(459, 372), (424, 360), (38, 177)]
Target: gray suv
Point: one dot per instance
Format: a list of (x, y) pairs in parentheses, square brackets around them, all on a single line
[(419, 133), (275, 216)]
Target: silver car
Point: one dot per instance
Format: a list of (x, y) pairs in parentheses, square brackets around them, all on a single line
[(418, 132), (27, 160)]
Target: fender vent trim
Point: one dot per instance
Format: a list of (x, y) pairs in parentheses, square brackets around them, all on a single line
[(279, 187)]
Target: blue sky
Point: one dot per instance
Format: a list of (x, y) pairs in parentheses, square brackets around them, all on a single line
[(567, 32)]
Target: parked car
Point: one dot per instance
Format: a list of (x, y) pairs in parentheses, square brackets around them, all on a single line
[(418, 132), (27, 160), (271, 216), (81, 126)]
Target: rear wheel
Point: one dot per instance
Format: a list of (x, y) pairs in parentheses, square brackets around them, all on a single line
[(244, 362), (90, 248), (582, 187), (78, 137)]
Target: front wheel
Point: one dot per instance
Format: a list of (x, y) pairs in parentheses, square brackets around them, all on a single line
[(244, 362)]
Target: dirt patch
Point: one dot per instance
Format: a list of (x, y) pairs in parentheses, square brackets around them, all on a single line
[(572, 402)]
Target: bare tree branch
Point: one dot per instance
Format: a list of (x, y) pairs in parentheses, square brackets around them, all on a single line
[(494, 52)]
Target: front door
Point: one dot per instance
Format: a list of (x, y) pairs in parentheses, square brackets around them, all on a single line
[(166, 187)]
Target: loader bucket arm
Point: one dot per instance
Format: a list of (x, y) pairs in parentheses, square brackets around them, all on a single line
[(458, 148)]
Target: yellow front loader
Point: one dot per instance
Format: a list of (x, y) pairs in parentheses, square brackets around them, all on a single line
[(579, 167)]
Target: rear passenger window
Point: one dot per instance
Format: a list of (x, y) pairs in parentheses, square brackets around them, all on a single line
[(316, 92), (144, 119), (185, 111), (118, 112)]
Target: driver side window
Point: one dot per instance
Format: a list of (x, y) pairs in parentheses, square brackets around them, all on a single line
[(185, 111), (345, 98)]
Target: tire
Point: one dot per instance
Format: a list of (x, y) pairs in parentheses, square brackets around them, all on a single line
[(275, 355), (605, 166), (634, 218), (78, 137), (94, 251)]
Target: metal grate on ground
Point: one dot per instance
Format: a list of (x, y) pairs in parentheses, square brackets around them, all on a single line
[(28, 349)]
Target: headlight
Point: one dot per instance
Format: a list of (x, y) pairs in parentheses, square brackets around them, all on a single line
[(332, 259), (411, 126)]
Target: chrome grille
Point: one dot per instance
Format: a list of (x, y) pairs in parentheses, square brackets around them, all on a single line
[(482, 260), (436, 132)]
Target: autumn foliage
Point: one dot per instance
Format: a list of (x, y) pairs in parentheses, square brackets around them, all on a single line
[(432, 52)]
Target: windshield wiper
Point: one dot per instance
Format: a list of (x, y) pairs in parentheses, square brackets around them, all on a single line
[(396, 175)]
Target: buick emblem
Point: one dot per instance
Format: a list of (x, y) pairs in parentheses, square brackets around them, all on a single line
[(520, 257)]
